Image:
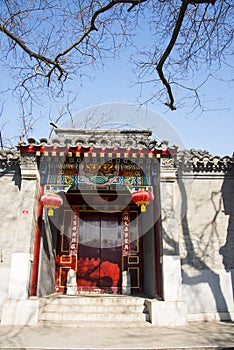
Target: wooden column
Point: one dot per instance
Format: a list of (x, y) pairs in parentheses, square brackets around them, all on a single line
[(158, 245), (37, 243)]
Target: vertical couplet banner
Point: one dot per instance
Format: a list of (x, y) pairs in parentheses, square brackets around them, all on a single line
[(126, 232), (74, 231)]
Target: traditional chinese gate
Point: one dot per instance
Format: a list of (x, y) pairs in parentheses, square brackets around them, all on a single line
[(99, 246)]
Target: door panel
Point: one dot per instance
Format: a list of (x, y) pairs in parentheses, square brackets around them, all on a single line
[(110, 253), (64, 259), (99, 260), (133, 263), (88, 268)]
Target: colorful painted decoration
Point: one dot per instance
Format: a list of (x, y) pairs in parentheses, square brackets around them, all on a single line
[(101, 175), (142, 198), (51, 201)]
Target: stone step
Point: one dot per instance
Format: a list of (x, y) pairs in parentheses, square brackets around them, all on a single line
[(80, 309), (93, 308), (111, 317), (80, 300), (95, 324)]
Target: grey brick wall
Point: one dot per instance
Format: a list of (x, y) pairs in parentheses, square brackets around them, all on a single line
[(207, 225), (9, 212)]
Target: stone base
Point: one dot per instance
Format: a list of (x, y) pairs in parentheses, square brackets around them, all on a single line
[(20, 312), (71, 290), (167, 313), (126, 290), (126, 283)]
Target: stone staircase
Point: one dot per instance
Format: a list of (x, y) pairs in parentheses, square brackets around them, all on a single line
[(96, 310)]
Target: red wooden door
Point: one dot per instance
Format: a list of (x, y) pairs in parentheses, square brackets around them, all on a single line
[(99, 252), (90, 243)]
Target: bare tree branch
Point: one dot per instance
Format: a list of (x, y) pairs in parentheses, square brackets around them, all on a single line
[(57, 63), (31, 53), (166, 53), (46, 42)]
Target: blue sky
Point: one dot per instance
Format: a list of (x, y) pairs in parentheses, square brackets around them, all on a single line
[(212, 131)]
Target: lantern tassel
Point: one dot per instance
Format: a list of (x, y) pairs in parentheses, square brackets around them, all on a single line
[(50, 212), (143, 208)]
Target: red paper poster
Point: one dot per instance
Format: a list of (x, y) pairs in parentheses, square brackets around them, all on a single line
[(74, 232)]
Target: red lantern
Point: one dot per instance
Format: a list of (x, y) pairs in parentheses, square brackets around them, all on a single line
[(142, 198), (51, 201)]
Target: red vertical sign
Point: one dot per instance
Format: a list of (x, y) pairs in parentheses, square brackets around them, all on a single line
[(74, 232), (126, 232)]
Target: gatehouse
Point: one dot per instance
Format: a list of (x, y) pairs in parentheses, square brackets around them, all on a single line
[(112, 213)]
